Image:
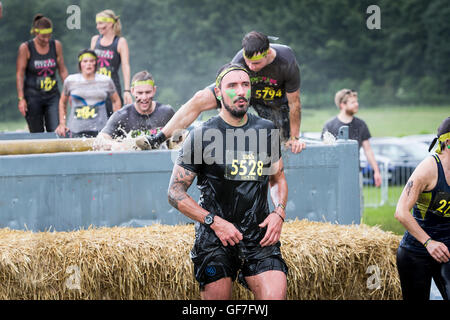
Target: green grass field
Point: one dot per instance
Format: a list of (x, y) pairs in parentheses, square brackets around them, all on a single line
[(383, 121), (16, 125), (383, 216)]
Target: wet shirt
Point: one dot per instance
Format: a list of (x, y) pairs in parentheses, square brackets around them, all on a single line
[(232, 166), (128, 120), (40, 72), (109, 61), (87, 97), (270, 84), (357, 129), (432, 213)]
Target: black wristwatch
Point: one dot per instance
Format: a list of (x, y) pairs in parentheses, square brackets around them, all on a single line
[(209, 220)]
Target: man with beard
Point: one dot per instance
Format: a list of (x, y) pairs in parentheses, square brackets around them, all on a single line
[(275, 78), (144, 117), (347, 102), (236, 158)]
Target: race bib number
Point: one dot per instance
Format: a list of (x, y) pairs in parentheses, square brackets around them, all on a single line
[(245, 167), (45, 84), (85, 112), (441, 204), (104, 71), (268, 93)]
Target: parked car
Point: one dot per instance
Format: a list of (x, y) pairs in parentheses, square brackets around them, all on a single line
[(401, 156), (425, 138)]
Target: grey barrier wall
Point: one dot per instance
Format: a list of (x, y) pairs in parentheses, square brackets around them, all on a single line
[(69, 191), (27, 135)]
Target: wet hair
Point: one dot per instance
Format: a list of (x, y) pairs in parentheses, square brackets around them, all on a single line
[(223, 71), (117, 27), (40, 22), (142, 76), (87, 51), (255, 42)]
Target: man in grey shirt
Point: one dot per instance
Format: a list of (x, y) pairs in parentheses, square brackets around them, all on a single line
[(145, 116)]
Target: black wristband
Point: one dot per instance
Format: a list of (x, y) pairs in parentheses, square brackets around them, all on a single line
[(160, 137)]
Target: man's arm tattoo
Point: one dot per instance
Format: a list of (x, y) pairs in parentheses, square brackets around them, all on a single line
[(180, 182), (409, 186)]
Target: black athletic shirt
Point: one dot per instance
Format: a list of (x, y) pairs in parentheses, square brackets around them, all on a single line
[(236, 189), (109, 61), (432, 213), (270, 84), (128, 119), (357, 129), (40, 72)]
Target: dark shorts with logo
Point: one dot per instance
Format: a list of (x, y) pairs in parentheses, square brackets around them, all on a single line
[(233, 262)]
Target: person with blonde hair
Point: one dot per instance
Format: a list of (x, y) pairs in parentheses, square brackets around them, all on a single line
[(112, 52), (37, 88)]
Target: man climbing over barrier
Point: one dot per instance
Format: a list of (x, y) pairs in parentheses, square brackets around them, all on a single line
[(145, 116), (275, 77), (236, 158)]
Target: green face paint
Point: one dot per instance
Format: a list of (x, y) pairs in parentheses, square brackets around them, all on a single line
[(231, 93)]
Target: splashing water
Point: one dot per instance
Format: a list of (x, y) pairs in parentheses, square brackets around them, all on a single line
[(128, 142), (328, 138)]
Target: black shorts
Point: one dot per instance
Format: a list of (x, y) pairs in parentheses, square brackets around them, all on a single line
[(279, 116), (43, 112), (224, 262)]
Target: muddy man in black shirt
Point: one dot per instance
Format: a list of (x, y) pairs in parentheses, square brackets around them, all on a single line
[(236, 158)]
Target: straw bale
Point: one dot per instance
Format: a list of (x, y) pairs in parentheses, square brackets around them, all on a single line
[(326, 261)]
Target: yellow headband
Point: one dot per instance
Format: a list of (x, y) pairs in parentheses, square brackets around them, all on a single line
[(442, 138), (86, 55), (41, 31), (258, 56), (143, 82), (224, 72), (105, 19)]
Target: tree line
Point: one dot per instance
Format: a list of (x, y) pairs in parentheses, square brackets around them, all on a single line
[(183, 43)]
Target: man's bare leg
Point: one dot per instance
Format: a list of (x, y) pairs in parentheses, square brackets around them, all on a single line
[(217, 290), (269, 285)]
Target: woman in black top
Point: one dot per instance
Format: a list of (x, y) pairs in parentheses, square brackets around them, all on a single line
[(112, 51), (37, 88)]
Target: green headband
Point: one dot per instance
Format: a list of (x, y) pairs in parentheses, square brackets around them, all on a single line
[(86, 55), (41, 31), (105, 19), (442, 138), (224, 72), (143, 82), (258, 56)]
